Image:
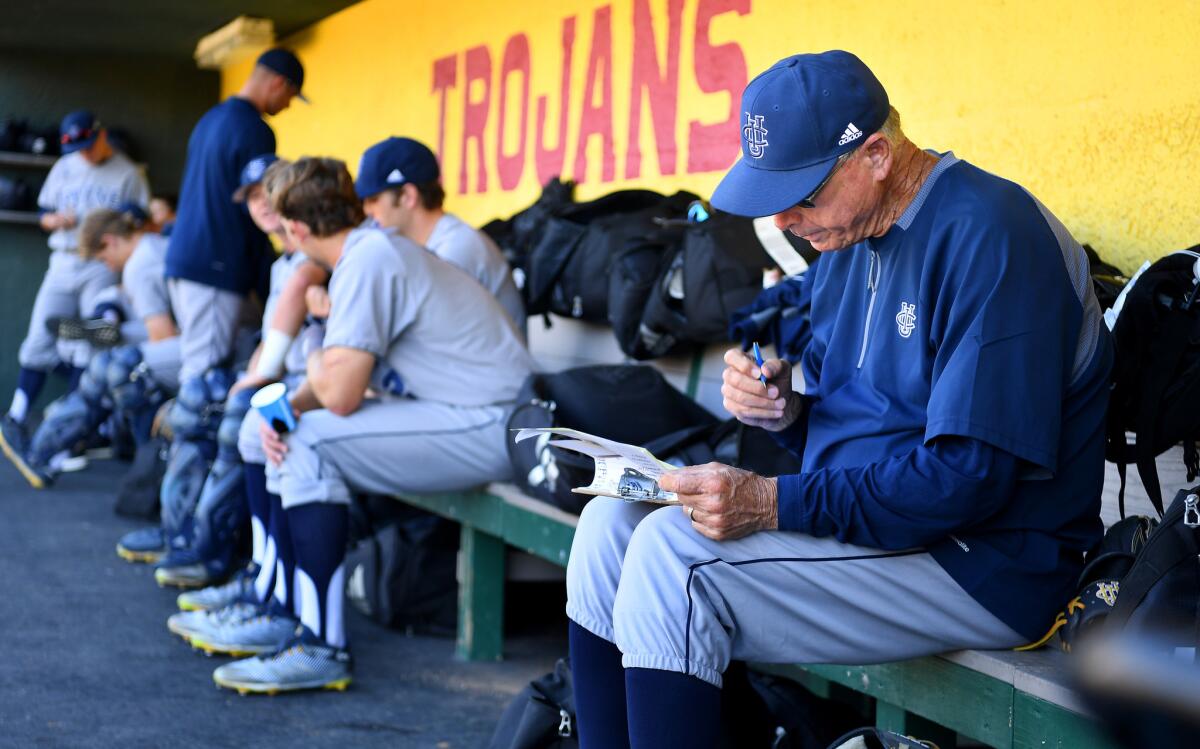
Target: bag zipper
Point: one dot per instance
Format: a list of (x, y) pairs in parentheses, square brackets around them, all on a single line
[(873, 273)]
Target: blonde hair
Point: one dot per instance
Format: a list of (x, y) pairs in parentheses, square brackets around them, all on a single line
[(104, 221)]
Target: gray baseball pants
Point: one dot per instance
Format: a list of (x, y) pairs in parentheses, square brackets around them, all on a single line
[(163, 358), (69, 289), (388, 447), (208, 320), (642, 577)]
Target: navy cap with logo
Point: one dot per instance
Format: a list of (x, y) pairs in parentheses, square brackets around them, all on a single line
[(799, 116), (252, 174), (392, 163), (78, 130), (285, 63)]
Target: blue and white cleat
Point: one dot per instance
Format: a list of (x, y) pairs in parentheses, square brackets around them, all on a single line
[(145, 546), (263, 633), (305, 663), (239, 588), (189, 624)]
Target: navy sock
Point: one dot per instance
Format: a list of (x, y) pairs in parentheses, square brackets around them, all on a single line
[(667, 708), (599, 683), (259, 503), (29, 387), (73, 375), (282, 596), (319, 540), (141, 423)]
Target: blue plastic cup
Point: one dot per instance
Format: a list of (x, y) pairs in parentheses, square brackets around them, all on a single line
[(272, 404)]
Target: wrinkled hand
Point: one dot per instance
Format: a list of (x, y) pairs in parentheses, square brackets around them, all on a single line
[(723, 502), (273, 443), (317, 300), (773, 407)]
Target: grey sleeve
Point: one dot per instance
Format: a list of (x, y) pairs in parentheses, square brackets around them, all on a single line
[(146, 288), (48, 197), (136, 189), (364, 302)]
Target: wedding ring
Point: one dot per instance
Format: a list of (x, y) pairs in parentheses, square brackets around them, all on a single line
[(692, 514)]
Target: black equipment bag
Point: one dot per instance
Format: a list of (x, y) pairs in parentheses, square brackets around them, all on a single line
[(400, 566), (706, 271), (138, 489), (1156, 378), (541, 716), (567, 269), (1160, 594), (632, 404), (1107, 279), (516, 236)]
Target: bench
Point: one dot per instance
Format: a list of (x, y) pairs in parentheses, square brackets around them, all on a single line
[(1000, 698)]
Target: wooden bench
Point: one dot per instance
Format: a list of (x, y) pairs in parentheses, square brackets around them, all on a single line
[(1003, 699)]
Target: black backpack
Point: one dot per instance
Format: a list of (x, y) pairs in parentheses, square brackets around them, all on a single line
[(516, 236), (541, 716), (631, 404), (1156, 378), (1160, 594), (1107, 279), (705, 271), (400, 566), (567, 269)]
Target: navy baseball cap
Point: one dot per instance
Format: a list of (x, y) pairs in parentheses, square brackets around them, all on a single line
[(394, 162), (252, 174), (78, 130), (798, 117), (285, 63), (134, 211)]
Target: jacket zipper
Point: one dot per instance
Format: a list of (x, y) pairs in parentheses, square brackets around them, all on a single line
[(873, 273)]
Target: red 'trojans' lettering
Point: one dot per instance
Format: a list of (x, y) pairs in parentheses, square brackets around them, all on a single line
[(654, 80)]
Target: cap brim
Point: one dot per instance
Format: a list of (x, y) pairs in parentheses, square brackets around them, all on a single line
[(79, 145), (303, 98), (753, 192), (240, 194)]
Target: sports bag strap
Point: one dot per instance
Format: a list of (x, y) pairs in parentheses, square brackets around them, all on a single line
[(1166, 351), (1172, 543), (1121, 470)]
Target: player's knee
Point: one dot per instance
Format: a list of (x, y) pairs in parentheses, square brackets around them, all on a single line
[(660, 544), (93, 383), (249, 440)]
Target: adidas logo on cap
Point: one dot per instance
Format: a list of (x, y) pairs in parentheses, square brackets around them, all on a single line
[(395, 176), (852, 133)]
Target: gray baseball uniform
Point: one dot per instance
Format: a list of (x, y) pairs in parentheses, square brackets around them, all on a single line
[(671, 599), (437, 332), (71, 283), (282, 271), (146, 288), (464, 246)]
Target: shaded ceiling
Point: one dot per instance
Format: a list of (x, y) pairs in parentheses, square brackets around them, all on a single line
[(158, 28)]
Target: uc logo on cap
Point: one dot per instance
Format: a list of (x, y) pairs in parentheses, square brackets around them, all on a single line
[(755, 135)]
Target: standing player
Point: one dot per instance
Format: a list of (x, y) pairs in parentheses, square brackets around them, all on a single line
[(399, 182), (215, 252), (90, 175), (397, 309)]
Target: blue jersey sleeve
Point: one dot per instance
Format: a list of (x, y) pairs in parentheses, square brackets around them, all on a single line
[(1005, 329), (908, 501)]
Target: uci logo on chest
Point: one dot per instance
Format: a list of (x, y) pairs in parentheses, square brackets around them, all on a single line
[(906, 319), (755, 135)]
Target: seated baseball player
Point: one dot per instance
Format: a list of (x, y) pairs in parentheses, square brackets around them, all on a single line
[(446, 364), (951, 432), (400, 184), (132, 380)]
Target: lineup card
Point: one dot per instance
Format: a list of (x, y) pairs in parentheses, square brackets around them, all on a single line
[(623, 471)]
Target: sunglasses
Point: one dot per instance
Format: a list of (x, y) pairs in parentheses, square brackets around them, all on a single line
[(812, 196)]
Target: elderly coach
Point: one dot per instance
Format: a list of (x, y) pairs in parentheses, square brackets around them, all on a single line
[(951, 432)]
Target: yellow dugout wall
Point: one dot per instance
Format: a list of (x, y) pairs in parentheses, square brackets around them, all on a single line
[(1095, 107)]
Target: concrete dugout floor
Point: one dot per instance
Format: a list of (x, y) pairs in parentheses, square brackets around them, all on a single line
[(86, 659)]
